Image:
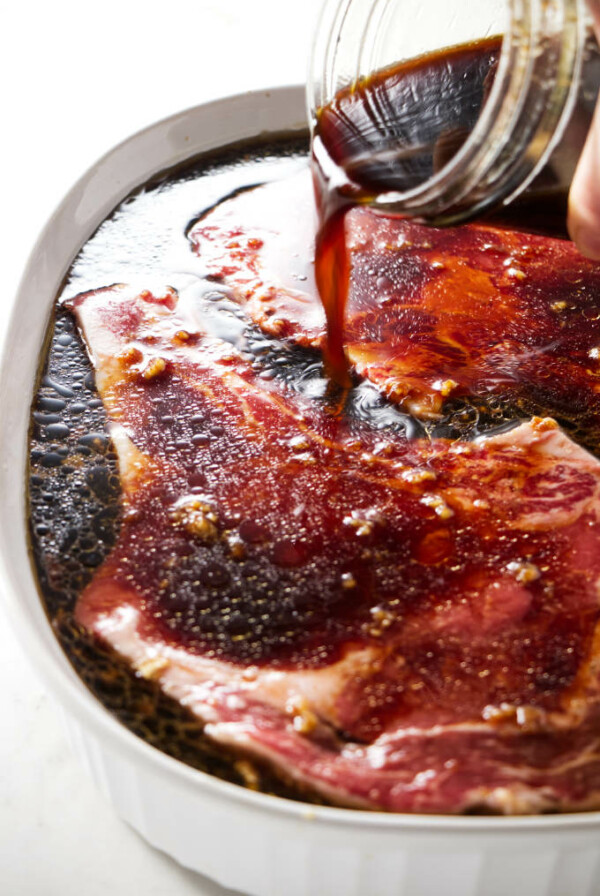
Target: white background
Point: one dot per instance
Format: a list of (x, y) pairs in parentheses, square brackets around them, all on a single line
[(75, 79)]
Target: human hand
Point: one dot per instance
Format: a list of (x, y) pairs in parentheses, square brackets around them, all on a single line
[(583, 219)]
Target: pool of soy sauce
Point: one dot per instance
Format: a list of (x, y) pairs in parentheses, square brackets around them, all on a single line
[(73, 483)]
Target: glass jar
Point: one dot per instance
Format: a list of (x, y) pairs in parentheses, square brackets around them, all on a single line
[(442, 110)]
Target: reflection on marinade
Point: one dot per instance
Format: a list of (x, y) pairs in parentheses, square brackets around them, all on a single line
[(476, 316), (384, 597)]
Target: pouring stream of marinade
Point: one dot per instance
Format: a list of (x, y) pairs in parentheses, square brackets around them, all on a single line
[(397, 128)]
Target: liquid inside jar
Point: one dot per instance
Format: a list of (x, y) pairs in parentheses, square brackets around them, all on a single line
[(400, 127)]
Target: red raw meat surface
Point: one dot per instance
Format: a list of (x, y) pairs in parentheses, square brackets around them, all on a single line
[(399, 624)]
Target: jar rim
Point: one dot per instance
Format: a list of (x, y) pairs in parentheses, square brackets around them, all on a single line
[(518, 126)]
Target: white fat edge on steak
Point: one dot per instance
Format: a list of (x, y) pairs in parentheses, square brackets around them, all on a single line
[(306, 699)]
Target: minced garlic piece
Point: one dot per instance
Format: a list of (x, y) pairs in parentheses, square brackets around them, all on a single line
[(299, 443), (154, 368), (417, 475), (152, 667), (130, 355), (437, 503), (182, 336), (197, 516), (248, 773), (304, 719), (445, 387), (524, 572), (364, 521)]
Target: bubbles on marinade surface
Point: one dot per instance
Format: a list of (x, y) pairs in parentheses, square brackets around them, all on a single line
[(73, 485), (74, 488)]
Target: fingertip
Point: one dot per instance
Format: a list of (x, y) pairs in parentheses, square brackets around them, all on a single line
[(584, 230), (583, 219)]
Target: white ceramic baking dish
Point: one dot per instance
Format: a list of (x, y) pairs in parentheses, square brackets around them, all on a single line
[(260, 845)]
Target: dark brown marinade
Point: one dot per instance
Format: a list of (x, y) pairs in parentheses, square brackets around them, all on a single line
[(398, 127), (424, 109), (73, 484), (74, 487), (415, 106), (73, 490)]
